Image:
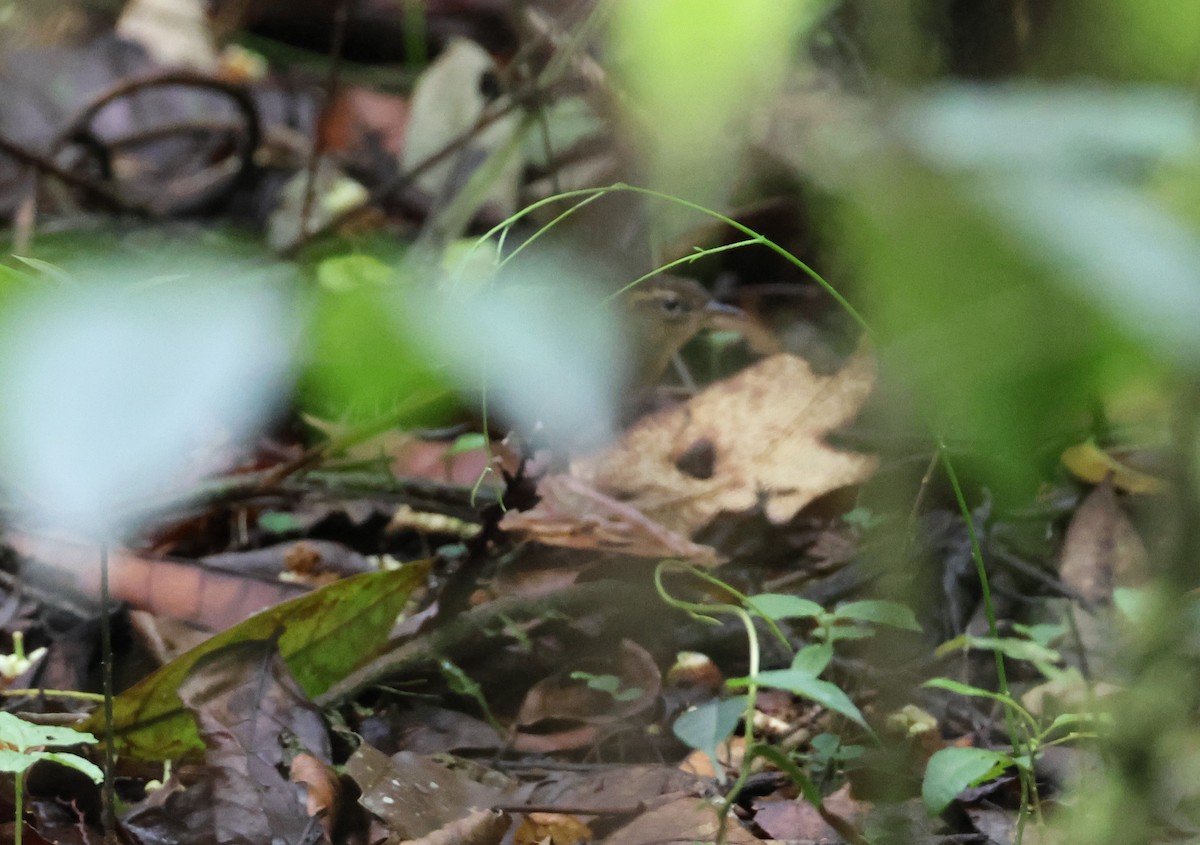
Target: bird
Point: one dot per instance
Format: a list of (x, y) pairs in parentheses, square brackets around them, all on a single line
[(663, 313)]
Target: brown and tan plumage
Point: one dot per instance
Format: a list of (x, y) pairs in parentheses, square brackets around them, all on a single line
[(664, 313)]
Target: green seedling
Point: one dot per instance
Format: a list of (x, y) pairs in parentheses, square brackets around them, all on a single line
[(23, 743), (610, 684), (459, 682)]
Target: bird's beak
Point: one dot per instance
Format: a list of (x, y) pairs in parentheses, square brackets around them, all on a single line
[(722, 317)]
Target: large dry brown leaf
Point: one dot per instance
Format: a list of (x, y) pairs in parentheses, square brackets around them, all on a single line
[(1102, 549), (759, 436), (247, 707)]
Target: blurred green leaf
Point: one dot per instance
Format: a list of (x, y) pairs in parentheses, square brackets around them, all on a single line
[(45, 268), (951, 770), (782, 606), (341, 273), (959, 688), (23, 736), (158, 366), (695, 70), (1017, 649), (466, 443), (1124, 39), (609, 684), (363, 355), (805, 685), (710, 724), (278, 522), (1016, 266), (813, 659), (880, 612)]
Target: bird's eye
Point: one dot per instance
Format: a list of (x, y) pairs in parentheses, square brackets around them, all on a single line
[(671, 305)]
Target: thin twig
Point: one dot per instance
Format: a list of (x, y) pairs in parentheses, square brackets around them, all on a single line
[(398, 182), (49, 167), (79, 131), (341, 18)]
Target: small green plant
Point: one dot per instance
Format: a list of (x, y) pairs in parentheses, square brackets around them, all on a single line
[(610, 684), (864, 519), (23, 743), (951, 770), (460, 683), (829, 754), (708, 726), (12, 665)]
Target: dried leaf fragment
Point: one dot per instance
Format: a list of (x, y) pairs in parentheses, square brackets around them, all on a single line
[(553, 828), (761, 434), (1088, 462)]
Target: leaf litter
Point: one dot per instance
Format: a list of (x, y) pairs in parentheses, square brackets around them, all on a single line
[(538, 586)]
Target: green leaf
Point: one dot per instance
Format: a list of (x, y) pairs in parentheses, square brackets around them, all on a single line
[(278, 522), (803, 684), (952, 770), (1043, 633), (813, 659), (467, 443), (1134, 604), (609, 684), (1072, 721), (463, 684), (834, 633), (23, 735), (15, 761), (968, 690), (1044, 236), (699, 64), (13, 281), (73, 761), (325, 636), (27, 741), (710, 724), (459, 681), (862, 518), (880, 612), (365, 356), (780, 606), (1011, 647), (350, 272), (828, 748)]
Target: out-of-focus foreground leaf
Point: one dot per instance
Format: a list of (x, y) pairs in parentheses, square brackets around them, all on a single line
[(364, 355), (121, 387), (696, 72), (1018, 263)]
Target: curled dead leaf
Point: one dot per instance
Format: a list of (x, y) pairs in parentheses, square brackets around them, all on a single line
[(322, 788)]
